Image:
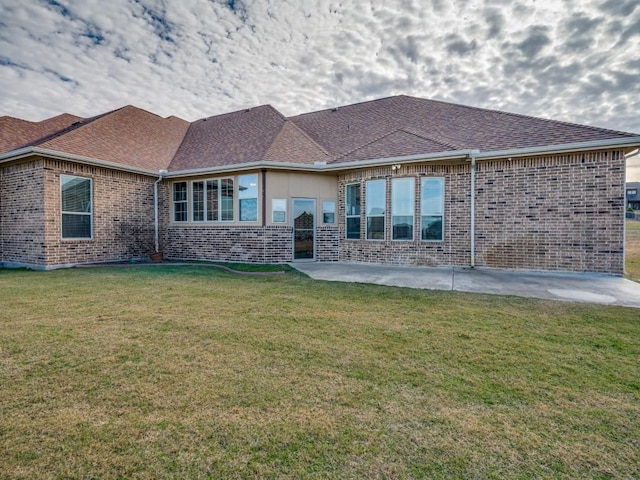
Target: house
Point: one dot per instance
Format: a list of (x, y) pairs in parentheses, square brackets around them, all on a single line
[(399, 180), (633, 195)]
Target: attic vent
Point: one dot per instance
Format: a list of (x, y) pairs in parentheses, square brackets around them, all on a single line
[(248, 110), (75, 124), (334, 109)]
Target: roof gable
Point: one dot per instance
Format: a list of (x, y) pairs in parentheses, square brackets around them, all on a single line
[(16, 133)]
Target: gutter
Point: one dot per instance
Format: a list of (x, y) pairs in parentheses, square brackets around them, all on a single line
[(156, 224), (472, 157)]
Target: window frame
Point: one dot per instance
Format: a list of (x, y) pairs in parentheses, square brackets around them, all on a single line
[(426, 213), (184, 201), (368, 189), (64, 212), (242, 198), (358, 210), (411, 181), (331, 211)]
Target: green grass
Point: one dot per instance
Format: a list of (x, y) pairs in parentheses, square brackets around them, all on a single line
[(632, 250), (193, 372)]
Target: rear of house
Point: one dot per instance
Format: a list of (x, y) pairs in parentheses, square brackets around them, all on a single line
[(399, 180)]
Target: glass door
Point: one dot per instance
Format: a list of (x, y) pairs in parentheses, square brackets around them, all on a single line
[(304, 227)]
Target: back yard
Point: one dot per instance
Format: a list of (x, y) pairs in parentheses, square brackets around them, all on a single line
[(193, 372)]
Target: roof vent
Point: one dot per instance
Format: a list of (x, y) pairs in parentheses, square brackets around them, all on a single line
[(75, 124)]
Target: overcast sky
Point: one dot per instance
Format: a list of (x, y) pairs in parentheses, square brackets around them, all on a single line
[(572, 60)]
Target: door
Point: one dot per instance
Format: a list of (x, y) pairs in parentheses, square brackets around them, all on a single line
[(304, 227)]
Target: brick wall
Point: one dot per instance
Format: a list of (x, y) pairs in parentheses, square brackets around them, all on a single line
[(31, 215), (555, 212), (271, 244), (22, 213), (559, 212), (454, 250)]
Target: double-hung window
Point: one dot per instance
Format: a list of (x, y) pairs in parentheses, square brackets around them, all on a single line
[(180, 202), (77, 206), (375, 208), (402, 208), (432, 209), (248, 197), (352, 212)]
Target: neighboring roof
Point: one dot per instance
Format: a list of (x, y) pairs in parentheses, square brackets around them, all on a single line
[(16, 133), (388, 128), (377, 129)]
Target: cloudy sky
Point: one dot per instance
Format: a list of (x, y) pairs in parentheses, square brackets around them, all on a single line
[(572, 60)]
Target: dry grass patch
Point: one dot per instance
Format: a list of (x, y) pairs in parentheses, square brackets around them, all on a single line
[(191, 372), (632, 250)]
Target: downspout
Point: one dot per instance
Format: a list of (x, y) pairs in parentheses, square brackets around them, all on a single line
[(472, 157), (162, 173)]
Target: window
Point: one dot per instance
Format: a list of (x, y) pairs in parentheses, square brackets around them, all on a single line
[(352, 212), (77, 209), (279, 210), (248, 197), (632, 193), (402, 208), (211, 200), (432, 205), (328, 211), (180, 202), (375, 206)]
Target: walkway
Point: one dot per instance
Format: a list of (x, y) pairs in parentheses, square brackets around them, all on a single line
[(577, 287)]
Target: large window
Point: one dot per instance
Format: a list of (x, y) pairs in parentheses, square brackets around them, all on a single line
[(402, 207), (211, 200), (352, 212), (432, 204), (180, 202), (375, 209), (77, 209), (248, 197)]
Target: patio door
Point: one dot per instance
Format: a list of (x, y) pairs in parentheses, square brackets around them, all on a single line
[(304, 228)]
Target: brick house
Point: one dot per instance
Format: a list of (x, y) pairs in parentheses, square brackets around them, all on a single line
[(400, 180), (633, 195)]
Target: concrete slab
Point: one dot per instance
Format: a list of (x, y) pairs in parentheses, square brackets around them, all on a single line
[(576, 287)]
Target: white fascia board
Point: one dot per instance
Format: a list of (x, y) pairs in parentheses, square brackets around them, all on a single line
[(54, 154), (322, 167), (567, 147)]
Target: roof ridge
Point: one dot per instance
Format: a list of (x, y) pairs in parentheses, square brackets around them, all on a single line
[(348, 105), (519, 115), (74, 126), (431, 139), (374, 140), (298, 128)]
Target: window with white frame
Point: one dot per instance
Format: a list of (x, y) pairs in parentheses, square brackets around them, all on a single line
[(180, 202), (402, 208), (77, 206), (375, 209), (432, 209), (279, 210), (352, 211), (328, 211), (248, 197)]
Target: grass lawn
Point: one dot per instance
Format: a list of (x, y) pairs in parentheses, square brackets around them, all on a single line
[(193, 372), (632, 250)]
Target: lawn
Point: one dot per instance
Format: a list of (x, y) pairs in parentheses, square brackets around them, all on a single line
[(632, 250), (194, 372)]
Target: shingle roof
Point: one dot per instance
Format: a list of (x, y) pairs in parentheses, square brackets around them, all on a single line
[(379, 128), (385, 128), (16, 133), (128, 136)]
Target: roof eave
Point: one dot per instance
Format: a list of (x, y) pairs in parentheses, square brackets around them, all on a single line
[(626, 142), (56, 155)]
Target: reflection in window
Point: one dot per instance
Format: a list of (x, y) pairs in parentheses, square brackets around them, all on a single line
[(375, 209), (77, 209), (432, 209)]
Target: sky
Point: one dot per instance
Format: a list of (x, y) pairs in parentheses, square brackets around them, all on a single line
[(570, 60)]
